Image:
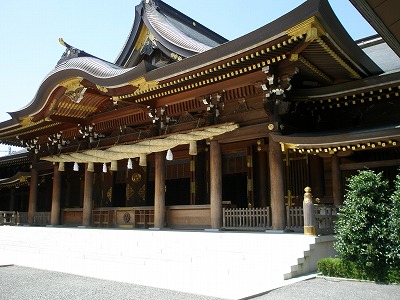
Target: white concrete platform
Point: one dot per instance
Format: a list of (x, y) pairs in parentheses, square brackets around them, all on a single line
[(229, 265)]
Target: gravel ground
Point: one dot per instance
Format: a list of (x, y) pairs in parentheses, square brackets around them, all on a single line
[(21, 283), (334, 289)]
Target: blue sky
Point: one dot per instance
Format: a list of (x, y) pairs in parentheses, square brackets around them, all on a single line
[(30, 30)]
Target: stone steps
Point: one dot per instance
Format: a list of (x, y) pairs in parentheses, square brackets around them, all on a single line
[(322, 247)]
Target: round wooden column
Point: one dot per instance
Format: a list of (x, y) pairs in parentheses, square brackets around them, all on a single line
[(262, 171), (215, 185), (12, 199), (32, 196), (87, 198), (336, 181), (159, 190), (317, 180), (56, 197), (277, 185)]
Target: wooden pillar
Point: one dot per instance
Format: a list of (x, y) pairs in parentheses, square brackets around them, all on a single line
[(159, 190), (12, 199), (56, 197), (317, 180), (193, 179), (277, 185), (262, 171), (215, 185), (336, 181), (87, 198), (32, 195)]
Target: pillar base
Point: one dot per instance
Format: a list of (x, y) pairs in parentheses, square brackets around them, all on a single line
[(310, 230)]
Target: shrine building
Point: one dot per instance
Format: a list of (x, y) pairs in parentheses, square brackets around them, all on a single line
[(186, 129)]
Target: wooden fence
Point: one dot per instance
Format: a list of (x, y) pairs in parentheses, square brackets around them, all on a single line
[(246, 218), (260, 218), (8, 217), (325, 218), (294, 218)]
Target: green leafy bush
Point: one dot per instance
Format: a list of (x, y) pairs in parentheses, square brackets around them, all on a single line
[(362, 228), (336, 267), (367, 231), (394, 228)]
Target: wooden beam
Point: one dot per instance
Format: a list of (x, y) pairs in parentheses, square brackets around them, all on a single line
[(244, 133), (370, 165), (65, 119)]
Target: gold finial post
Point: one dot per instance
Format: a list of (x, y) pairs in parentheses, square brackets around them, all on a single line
[(309, 213)]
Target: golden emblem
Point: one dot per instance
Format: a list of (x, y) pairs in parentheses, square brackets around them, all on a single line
[(136, 177)]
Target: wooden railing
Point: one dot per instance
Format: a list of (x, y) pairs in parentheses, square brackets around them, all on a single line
[(22, 218), (101, 218), (325, 218), (294, 218), (8, 217), (246, 218), (135, 217), (41, 218), (19, 218)]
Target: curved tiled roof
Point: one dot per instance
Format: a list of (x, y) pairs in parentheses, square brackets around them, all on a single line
[(92, 66), (173, 31), (174, 34)]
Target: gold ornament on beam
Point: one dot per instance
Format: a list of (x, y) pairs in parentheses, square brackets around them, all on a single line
[(74, 89), (102, 88), (142, 85)]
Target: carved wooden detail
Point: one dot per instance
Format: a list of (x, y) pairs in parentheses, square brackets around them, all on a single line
[(179, 108), (242, 107), (242, 92)]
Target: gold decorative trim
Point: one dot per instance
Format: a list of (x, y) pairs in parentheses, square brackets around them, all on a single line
[(27, 121), (249, 185), (16, 131), (310, 27), (192, 166), (287, 146), (74, 89), (144, 36), (102, 88), (52, 104), (109, 194), (136, 177), (176, 56), (310, 230), (271, 126), (129, 192), (76, 106), (142, 192), (142, 85), (337, 58), (71, 84)]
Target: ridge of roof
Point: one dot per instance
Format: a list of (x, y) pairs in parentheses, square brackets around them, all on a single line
[(173, 33)]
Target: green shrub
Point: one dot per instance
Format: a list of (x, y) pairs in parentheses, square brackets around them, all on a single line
[(336, 267), (362, 234), (394, 228)]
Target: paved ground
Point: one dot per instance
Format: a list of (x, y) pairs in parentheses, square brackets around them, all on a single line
[(20, 283)]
